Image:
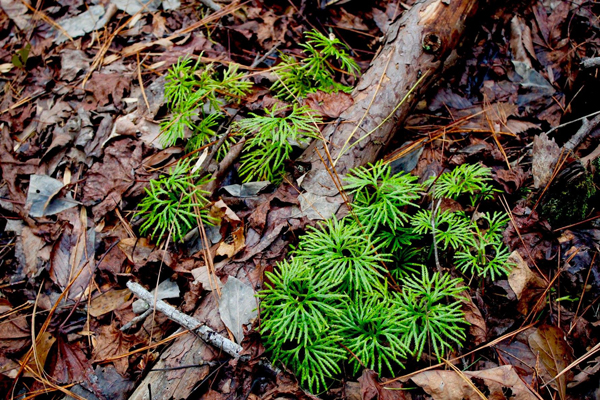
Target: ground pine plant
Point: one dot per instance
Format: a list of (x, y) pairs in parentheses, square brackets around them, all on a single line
[(324, 56), (365, 290), (171, 203)]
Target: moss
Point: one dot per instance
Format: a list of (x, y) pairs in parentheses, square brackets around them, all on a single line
[(570, 203)]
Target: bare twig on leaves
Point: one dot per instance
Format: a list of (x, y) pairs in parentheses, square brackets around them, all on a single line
[(206, 333)]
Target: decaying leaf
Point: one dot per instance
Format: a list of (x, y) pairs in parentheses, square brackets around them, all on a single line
[(238, 306), (42, 196), (526, 284), (330, 105), (501, 383), (554, 353), (109, 301), (544, 157)]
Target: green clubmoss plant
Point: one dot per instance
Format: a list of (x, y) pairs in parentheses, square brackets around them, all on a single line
[(171, 202), (296, 310), (381, 199), (271, 143), (340, 251), (371, 329), (430, 308), (195, 93), (317, 71)]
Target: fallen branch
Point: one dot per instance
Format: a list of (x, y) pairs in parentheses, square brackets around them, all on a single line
[(206, 333)]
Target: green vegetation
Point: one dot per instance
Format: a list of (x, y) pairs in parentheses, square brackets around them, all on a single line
[(171, 203), (317, 71), (337, 292), (271, 144)]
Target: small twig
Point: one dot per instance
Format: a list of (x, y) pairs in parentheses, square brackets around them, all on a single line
[(206, 333), (225, 164), (258, 60), (590, 63), (582, 133), (137, 319)]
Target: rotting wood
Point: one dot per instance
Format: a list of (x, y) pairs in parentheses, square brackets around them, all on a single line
[(400, 64)]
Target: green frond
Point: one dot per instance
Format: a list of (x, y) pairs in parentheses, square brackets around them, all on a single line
[(465, 179), (270, 144), (371, 330), (339, 251), (171, 201), (380, 199), (428, 316)]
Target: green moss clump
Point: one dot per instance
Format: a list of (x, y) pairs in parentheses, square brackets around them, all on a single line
[(571, 203)]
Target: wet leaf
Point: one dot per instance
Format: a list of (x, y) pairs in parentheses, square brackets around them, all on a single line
[(238, 306), (554, 353)]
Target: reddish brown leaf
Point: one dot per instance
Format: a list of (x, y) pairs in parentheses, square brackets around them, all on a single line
[(111, 342), (107, 181), (104, 85), (14, 331), (371, 389), (70, 363), (330, 105), (554, 353)]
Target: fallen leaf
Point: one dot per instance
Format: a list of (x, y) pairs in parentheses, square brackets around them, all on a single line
[(17, 12), (207, 280), (544, 157), (70, 363), (330, 105), (233, 243), (107, 180), (72, 257), (36, 362), (108, 301), (137, 250), (95, 17), (15, 334), (477, 325), (111, 342), (102, 85), (371, 389), (526, 284), (237, 306), (554, 353), (448, 385), (42, 196), (132, 7), (316, 207), (249, 189), (72, 62)]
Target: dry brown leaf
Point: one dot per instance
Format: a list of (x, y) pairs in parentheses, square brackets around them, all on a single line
[(477, 327), (137, 250), (71, 363), (42, 348), (554, 353), (109, 301), (111, 342), (526, 284), (544, 157), (15, 335), (330, 105), (501, 383)]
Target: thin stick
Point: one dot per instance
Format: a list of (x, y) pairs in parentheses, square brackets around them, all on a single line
[(206, 333)]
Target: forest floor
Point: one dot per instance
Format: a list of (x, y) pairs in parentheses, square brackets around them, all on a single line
[(80, 119)]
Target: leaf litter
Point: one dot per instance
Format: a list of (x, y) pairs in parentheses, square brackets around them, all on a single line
[(91, 150)]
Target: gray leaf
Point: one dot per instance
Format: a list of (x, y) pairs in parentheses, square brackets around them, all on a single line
[(237, 306)]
